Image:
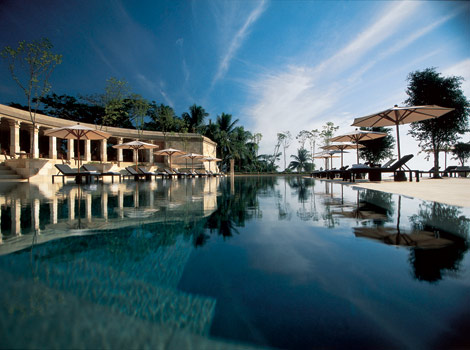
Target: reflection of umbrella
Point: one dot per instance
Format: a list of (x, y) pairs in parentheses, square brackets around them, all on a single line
[(136, 145), (192, 156), (77, 132), (169, 152), (401, 115), (392, 236), (211, 159), (341, 146), (358, 135)]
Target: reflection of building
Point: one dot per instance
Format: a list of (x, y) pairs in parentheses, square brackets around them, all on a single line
[(114, 262), (52, 211), (16, 133)]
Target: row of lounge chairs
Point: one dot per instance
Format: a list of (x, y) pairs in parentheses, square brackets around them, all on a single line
[(374, 173), (89, 172), (392, 166)]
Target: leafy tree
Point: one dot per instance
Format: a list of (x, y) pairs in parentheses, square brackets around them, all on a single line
[(376, 150), (163, 118), (304, 135), (462, 152), (31, 65), (68, 107), (114, 101), (429, 87), (256, 138), (284, 139), (195, 118), (327, 133), (300, 160), (137, 108)]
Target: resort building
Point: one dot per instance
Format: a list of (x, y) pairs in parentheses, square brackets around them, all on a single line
[(17, 134)]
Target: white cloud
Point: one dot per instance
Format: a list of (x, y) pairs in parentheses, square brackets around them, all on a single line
[(237, 41), (461, 69)]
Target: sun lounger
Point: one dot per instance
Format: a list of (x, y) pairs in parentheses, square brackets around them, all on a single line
[(134, 173), (448, 171), (375, 174), (92, 169), (151, 173), (67, 171), (461, 171)]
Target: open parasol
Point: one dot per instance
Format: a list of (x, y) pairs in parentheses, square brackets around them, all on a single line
[(136, 146)]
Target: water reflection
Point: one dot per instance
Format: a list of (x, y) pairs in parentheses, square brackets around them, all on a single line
[(191, 254)]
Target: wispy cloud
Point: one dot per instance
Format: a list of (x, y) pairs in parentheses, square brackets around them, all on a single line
[(237, 41), (460, 69)]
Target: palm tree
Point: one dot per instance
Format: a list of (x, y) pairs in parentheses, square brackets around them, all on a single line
[(195, 118), (300, 160)]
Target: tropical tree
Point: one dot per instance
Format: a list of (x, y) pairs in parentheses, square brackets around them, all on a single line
[(163, 118), (284, 139), (256, 138), (137, 108), (195, 118), (461, 152), (31, 65), (71, 108), (300, 160), (428, 87), (376, 150), (327, 133)]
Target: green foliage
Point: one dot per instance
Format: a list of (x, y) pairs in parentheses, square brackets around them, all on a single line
[(68, 107), (300, 160), (114, 101), (137, 108), (429, 87), (195, 118), (327, 133), (461, 152), (284, 139), (379, 149), (31, 65)]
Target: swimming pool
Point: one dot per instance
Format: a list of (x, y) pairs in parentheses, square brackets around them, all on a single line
[(258, 262)]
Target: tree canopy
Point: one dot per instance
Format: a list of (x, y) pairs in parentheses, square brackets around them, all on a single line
[(428, 87)]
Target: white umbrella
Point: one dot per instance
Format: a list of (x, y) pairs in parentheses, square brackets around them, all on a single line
[(211, 159), (192, 156), (326, 155), (135, 145), (78, 132), (401, 115), (169, 152), (341, 146), (358, 135)]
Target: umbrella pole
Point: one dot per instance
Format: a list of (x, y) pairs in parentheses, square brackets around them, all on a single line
[(192, 164), (398, 143), (357, 151), (341, 158)]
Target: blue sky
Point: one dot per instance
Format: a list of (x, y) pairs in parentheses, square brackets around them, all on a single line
[(274, 65)]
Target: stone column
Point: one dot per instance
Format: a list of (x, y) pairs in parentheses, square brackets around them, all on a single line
[(88, 202), (14, 137), (16, 217), (119, 150), (103, 153), (121, 202), (104, 205), (87, 150), (34, 137), (151, 155), (35, 215), (52, 147), (70, 149), (54, 210)]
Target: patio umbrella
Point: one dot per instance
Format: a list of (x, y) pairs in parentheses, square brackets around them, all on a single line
[(136, 146), (401, 115), (211, 159), (326, 155), (169, 152), (341, 146), (78, 132), (358, 135), (192, 156)]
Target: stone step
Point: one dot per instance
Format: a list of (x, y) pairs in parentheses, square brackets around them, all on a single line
[(7, 172)]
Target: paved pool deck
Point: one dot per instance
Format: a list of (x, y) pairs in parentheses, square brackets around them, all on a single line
[(448, 190)]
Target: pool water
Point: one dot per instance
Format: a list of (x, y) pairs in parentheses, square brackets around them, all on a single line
[(292, 263)]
